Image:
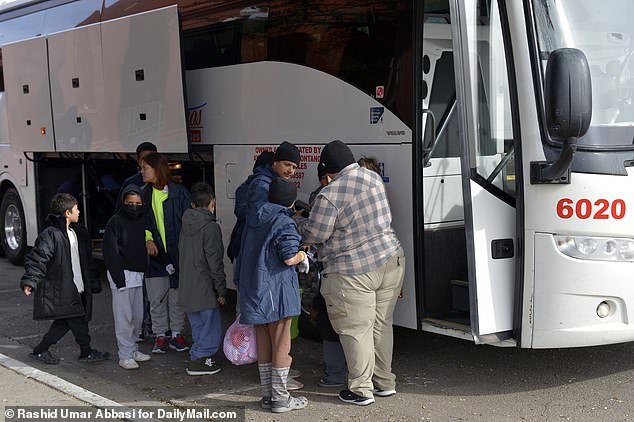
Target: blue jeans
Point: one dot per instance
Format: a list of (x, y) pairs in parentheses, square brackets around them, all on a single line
[(206, 333)]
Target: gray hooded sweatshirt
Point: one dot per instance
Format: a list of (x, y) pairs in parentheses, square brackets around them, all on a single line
[(202, 272)]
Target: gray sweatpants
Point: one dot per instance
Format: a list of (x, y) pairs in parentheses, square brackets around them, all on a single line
[(127, 308), (164, 309)]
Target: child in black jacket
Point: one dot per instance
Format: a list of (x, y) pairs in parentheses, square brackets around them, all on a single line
[(58, 270), (125, 257)]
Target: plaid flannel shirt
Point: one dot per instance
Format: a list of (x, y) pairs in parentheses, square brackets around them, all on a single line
[(351, 219)]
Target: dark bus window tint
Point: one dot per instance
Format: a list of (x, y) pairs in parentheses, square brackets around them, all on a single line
[(212, 46), (72, 15), (365, 43)]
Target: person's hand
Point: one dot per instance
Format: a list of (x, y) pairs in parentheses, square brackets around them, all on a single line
[(221, 300), (304, 266), (27, 290), (152, 250), (304, 247)]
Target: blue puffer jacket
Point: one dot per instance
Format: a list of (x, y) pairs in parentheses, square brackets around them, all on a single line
[(177, 202), (269, 289), (258, 190)]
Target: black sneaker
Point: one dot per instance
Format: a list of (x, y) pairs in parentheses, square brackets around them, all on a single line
[(94, 356), (353, 398), (383, 393), (45, 357), (202, 366)]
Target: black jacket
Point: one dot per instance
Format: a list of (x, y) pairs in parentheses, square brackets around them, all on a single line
[(49, 272), (124, 242)]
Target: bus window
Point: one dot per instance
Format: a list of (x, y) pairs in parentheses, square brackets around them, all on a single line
[(218, 45), (496, 144), (72, 15), (442, 104), (357, 42), (23, 27)]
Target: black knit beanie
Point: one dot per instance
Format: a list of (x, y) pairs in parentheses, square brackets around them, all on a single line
[(282, 192), (287, 152), (335, 156), (266, 157), (321, 170)]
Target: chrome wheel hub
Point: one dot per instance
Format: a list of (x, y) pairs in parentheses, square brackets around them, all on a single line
[(12, 227)]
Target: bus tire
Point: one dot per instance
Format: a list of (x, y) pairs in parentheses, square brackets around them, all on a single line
[(13, 227)]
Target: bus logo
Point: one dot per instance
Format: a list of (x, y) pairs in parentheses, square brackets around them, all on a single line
[(376, 115)]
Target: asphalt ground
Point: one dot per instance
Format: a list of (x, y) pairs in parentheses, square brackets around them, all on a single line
[(438, 378)]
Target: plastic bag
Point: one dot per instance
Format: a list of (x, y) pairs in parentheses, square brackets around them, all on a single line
[(239, 344)]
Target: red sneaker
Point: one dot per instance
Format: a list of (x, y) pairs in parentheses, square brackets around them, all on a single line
[(179, 344), (160, 345)]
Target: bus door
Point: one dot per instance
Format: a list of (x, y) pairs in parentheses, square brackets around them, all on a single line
[(487, 167)]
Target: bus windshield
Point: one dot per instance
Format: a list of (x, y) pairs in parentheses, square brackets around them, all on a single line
[(604, 32)]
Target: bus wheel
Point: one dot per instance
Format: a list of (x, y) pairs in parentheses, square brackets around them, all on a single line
[(13, 226)]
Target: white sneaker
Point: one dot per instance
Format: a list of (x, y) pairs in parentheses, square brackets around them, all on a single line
[(128, 364), (141, 357)]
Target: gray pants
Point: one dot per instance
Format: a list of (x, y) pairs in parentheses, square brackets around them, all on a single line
[(127, 308), (164, 309)]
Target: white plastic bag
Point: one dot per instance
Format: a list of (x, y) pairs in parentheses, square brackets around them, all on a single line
[(239, 344)]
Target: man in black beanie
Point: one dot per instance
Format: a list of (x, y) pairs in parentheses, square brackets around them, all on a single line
[(285, 162), (364, 265)]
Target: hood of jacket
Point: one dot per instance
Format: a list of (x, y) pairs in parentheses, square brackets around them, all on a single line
[(134, 213), (265, 213), (56, 220), (266, 170), (130, 188), (194, 219)]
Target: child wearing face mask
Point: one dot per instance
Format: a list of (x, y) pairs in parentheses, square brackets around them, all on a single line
[(125, 257)]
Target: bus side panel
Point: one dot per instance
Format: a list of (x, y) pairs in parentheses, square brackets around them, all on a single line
[(143, 82), (268, 102), (30, 120), (77, 90), (233, 164)]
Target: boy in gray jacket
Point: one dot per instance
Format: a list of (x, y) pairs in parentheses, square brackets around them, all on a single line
[(202, 279)]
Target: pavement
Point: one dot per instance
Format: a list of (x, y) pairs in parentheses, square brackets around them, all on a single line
[(20, 389), (438, 378)]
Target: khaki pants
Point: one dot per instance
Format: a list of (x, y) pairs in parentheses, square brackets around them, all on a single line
[(361, 308)]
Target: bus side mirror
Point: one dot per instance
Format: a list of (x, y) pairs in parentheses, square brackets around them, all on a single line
[(568, 111)]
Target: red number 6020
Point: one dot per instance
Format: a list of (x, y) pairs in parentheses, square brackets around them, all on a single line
[(583, 209)]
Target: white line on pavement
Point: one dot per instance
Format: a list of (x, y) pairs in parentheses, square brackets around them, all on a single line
[(61, 384)]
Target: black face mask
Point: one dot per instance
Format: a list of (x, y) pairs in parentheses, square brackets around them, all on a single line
[(133, 210)]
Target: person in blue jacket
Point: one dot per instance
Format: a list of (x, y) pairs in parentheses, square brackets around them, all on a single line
[(240, 207), (164, 203), (269, 290)]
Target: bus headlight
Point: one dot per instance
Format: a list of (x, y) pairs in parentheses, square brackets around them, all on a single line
[(596, 248)]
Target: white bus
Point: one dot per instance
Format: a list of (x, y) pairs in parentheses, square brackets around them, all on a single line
[(501, 128)]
